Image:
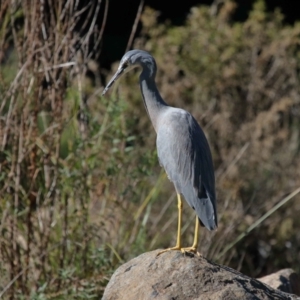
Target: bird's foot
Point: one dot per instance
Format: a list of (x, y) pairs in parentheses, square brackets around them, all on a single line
[(169, 249), (191, 249), (183, 250)]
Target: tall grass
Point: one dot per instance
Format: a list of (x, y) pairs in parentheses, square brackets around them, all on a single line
[(47, 163)]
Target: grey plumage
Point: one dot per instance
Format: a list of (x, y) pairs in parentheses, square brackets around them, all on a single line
[(182, 147), (184, 153)]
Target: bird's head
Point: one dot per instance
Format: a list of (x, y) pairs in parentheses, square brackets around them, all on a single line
[(130, 60)]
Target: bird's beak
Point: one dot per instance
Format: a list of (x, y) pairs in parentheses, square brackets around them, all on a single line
[(112, 81)]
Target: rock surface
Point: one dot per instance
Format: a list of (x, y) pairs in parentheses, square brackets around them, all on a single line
[(177, 276), (285, 280)]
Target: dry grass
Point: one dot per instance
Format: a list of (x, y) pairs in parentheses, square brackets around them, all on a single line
[(46, 49)]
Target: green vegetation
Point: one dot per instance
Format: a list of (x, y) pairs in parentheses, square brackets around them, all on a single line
[(81, 190)]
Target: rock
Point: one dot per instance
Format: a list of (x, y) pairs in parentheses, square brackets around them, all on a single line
[(173, 275), (285, 280)]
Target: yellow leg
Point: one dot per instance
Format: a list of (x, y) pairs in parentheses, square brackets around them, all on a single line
[(195, 243), (178, 243)]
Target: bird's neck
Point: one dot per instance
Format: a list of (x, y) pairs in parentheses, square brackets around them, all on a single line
[(154, 103)]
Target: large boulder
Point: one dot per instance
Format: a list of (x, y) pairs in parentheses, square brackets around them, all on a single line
[(174, 275)]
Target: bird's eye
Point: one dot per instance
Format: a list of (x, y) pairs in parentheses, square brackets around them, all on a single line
[(125, 65)]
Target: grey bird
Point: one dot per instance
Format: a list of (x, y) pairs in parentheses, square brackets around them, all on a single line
[(182, 147)]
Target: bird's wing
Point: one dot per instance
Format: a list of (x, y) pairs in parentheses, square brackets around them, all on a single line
[(184, 153)]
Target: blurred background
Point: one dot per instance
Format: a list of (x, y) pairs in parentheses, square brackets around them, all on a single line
[(81, 189)]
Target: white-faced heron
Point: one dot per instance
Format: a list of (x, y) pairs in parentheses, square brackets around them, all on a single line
[(182, 147)]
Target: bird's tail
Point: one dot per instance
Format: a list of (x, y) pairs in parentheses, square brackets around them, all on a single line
[(204, 207)]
